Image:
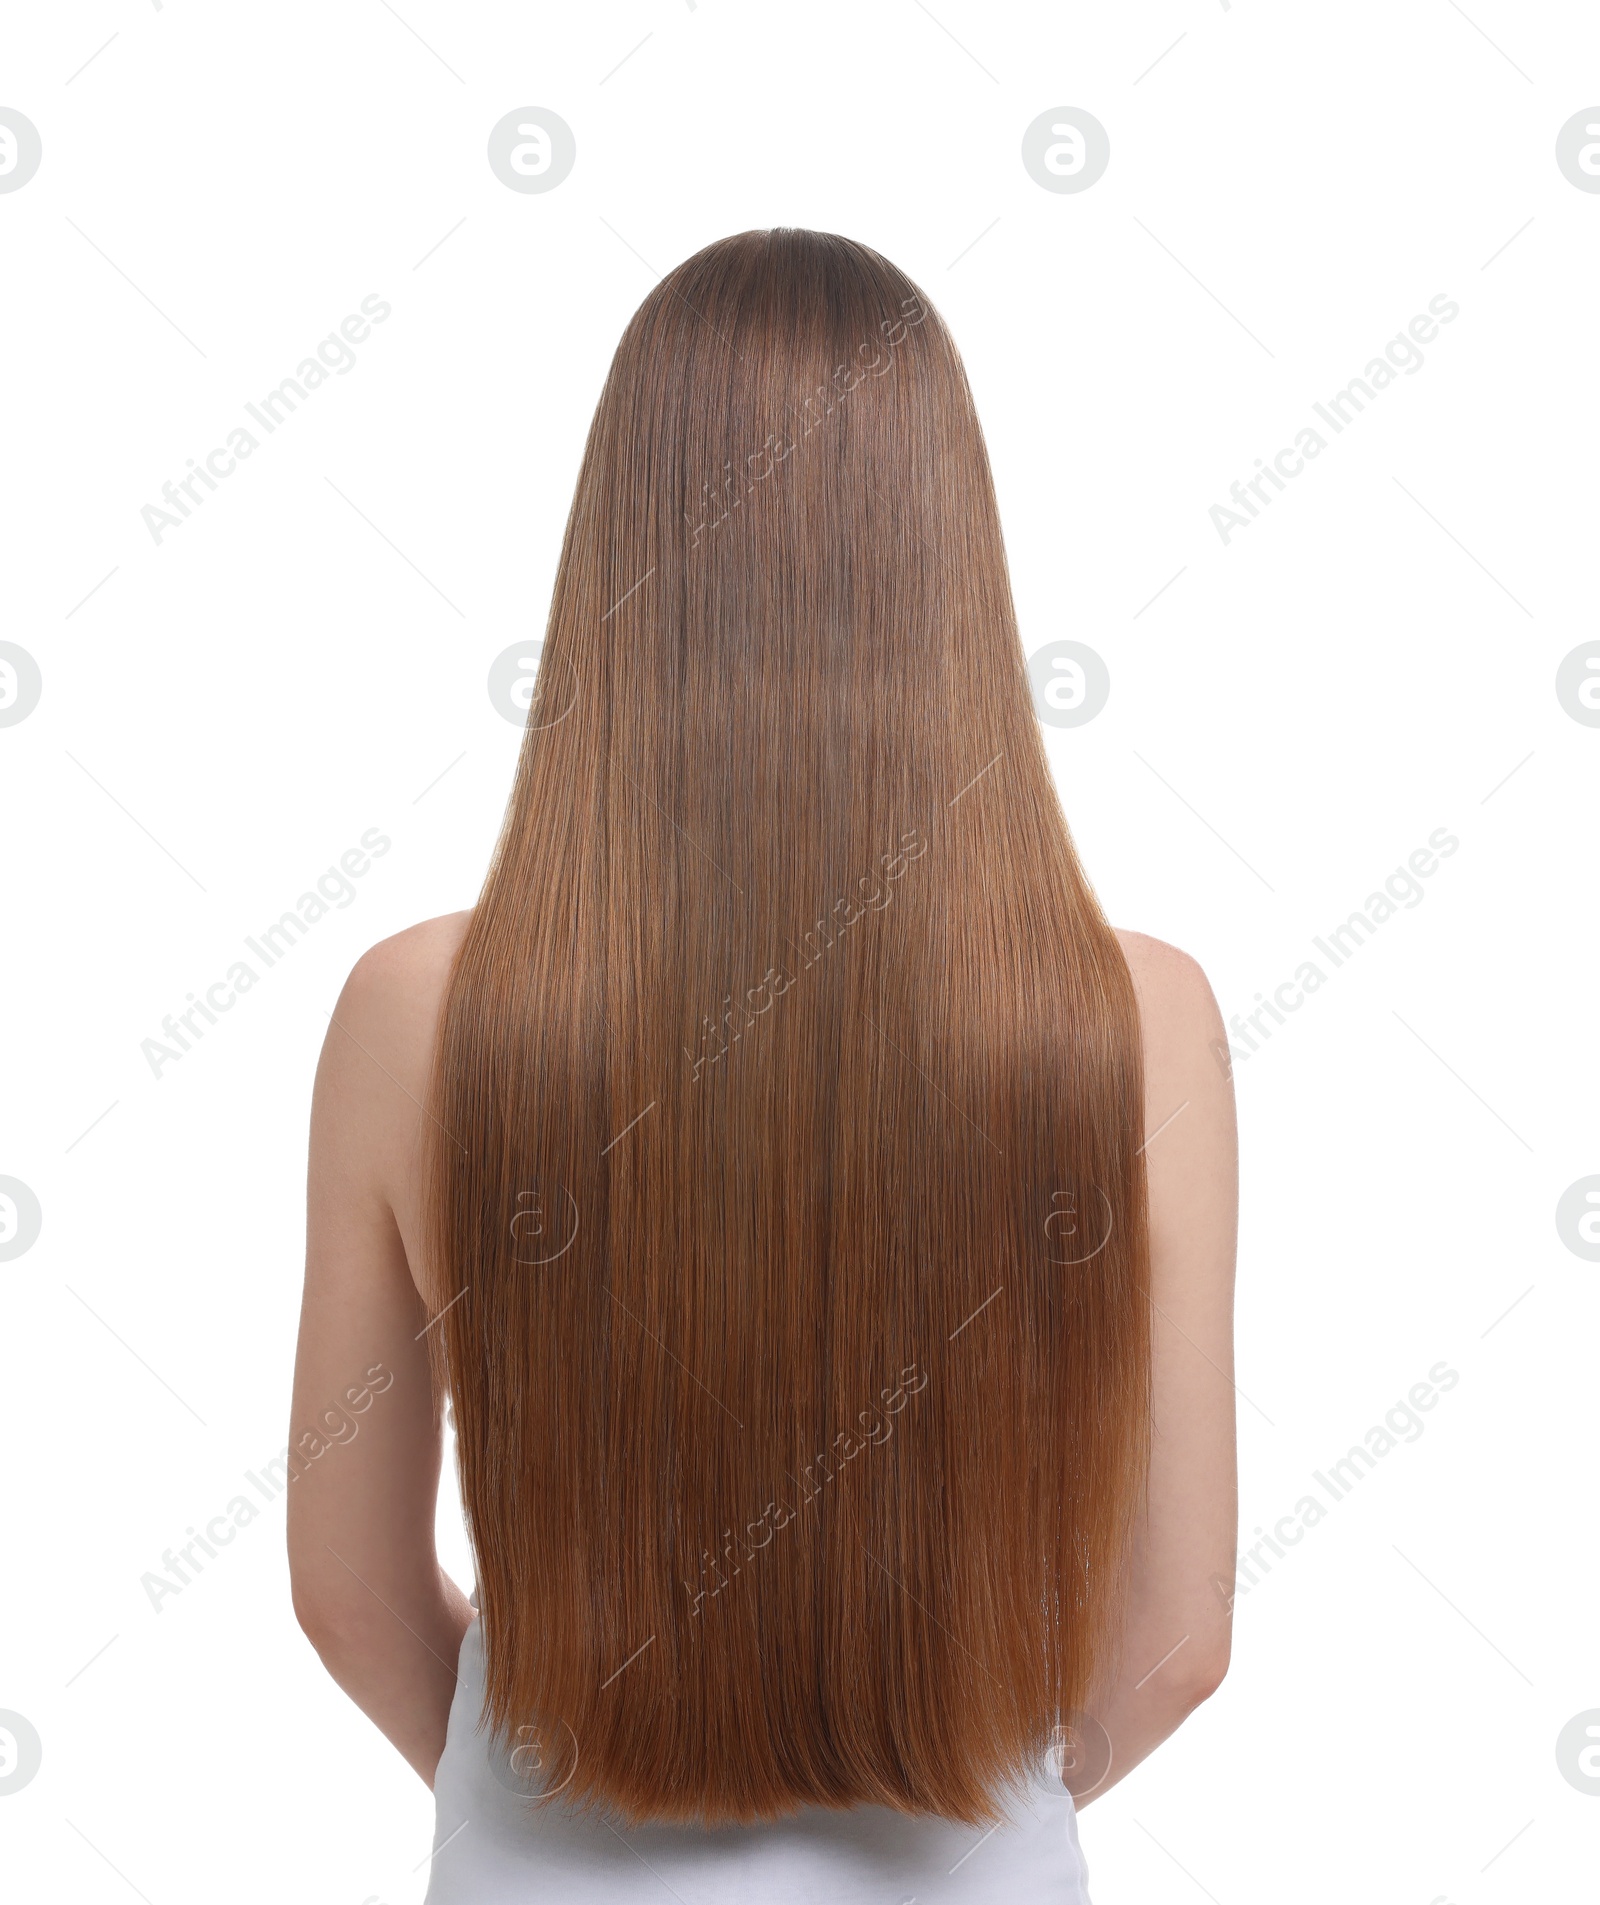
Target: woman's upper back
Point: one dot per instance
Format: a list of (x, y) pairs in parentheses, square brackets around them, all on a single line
[(391, 1005)]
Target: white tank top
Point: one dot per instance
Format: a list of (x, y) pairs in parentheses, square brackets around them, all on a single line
[(490, 1847)]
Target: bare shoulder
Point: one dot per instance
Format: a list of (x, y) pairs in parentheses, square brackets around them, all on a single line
[(1186, 1069), (373, 1079), (1178, 1014), (402, 979), (1177, 1008), (1192, 1148)]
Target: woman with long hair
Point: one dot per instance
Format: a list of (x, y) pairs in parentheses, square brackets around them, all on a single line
[(817, 1219)]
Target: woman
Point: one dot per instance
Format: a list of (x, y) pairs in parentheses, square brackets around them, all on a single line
[(820, 1221)]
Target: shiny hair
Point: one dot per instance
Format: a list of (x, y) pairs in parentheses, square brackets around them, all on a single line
[(787, 1195)]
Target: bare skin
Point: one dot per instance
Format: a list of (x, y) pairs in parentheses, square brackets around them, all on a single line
[(1179, 1620), (368, 1589)]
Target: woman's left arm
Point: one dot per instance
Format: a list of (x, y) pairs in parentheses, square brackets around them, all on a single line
[(366, 1434)]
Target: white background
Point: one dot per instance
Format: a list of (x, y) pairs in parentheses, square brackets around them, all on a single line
[(225, 713)]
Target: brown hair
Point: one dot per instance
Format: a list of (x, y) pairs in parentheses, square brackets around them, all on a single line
[(787, 1191)]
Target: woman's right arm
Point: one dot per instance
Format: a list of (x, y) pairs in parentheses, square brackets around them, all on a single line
[(1179, 1618)]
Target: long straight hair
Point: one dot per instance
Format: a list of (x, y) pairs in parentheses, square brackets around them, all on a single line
[(787, 1196)]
